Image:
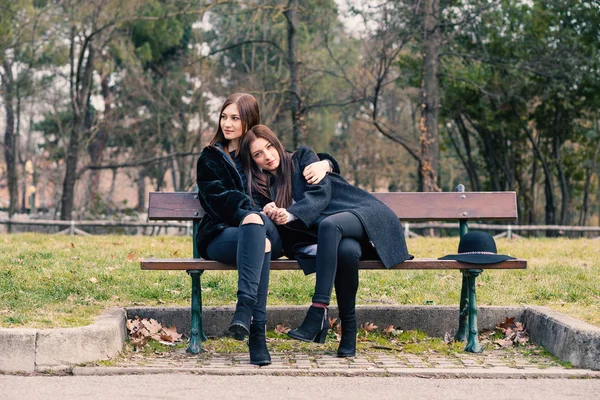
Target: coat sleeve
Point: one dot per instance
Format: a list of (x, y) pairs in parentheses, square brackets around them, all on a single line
[(327, 156), (219, 200), (314, 198)]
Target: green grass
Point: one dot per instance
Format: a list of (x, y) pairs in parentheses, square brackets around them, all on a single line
[(61, 281)]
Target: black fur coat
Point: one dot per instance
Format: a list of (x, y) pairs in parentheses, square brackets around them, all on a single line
[(222, 195)]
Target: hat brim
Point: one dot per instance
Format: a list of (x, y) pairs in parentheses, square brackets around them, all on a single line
[(478, 258)]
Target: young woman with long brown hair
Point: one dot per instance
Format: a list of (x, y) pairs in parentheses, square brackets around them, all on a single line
[(349, 223), (234, 231)]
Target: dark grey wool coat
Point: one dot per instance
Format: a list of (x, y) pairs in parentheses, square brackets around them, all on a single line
[(334, 195), (222, 195)]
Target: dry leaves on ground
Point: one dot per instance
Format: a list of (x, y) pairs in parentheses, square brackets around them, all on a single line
[(514, 334), (142, 330)]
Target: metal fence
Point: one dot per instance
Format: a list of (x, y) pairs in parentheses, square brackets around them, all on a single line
[(86, 227)]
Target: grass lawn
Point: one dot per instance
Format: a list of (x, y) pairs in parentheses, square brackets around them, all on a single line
[(51, 281)]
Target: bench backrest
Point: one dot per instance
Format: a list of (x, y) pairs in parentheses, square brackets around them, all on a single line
[(408, 206)]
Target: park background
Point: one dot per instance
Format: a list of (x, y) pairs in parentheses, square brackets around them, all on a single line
[(103, 101)]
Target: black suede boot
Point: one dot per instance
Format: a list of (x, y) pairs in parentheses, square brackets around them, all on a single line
[(314, 327), (240, 324), (257, 342), (347, 346)]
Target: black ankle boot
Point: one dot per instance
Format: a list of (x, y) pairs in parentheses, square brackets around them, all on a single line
[(240, 324), (257, 342), (347, 346), (314, 328)]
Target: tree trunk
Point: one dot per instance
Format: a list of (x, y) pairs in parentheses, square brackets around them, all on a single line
[(429, 136), (589, 171), (292, 61), (10, 139), (98, 143), (548, 191), (79, 98), (531, 206), (141, 192), (468, 162), (556, 145)]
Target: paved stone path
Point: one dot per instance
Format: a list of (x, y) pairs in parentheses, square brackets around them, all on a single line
[(492, 364)]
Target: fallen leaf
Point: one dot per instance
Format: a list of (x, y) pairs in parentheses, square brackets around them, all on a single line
[(172, 332), (509, 322), (72, 245), (368, 326), (175, 253), (152, 325), (133, 324), (139, 342), (282, 329), (131, 256), (503, 343), (332, 322), (391, 330), (448, 338), (93, 280), (71, 298)]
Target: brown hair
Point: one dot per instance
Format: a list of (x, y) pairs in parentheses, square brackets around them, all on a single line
[(249, 114), (259, 182)]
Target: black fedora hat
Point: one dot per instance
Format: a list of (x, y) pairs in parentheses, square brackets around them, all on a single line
[(477, 248)]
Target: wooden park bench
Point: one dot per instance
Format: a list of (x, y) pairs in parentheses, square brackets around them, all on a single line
[(431, 206)]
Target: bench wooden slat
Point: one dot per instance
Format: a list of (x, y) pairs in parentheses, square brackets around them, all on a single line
[(182, 264), (428, 206)]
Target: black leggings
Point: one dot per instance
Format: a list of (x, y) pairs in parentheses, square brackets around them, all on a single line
[(338, 252)]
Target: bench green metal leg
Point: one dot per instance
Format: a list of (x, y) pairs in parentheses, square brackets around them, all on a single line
[(463, 310), (473, 345), (196, 331)]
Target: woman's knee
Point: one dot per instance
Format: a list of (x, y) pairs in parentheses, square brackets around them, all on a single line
[(267, 246), (252, 218), (349, 253), (328, 226)]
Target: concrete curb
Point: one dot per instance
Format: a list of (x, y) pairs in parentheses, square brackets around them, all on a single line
[(565, 337), (443, 373), (33, 350), (41, 350)]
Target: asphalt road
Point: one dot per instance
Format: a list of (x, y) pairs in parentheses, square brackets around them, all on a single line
[(182, 386)]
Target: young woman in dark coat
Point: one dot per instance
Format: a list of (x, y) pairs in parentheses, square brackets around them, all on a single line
[(234, 231), (347, 220)]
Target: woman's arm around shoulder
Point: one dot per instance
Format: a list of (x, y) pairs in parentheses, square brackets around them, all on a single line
[(314, 198), (218, 191)]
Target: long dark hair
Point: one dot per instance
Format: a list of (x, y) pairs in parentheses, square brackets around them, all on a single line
[(249, 114), (259, 182)]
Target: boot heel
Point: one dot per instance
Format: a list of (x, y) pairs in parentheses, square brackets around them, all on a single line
[(321, 336)]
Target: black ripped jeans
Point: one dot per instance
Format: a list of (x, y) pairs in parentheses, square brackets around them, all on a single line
[(244, 246)]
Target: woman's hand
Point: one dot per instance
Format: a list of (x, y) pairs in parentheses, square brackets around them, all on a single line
[(269, 208), (278, 215), (315, 172)]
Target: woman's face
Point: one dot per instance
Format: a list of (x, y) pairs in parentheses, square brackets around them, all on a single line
[(265, 155), (231, 123)]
